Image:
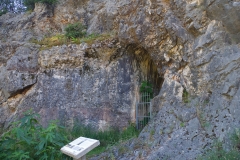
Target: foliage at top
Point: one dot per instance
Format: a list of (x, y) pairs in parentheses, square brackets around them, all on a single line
[(2, 12), (17, 6), (146, 87), (6, 5), (30, 4), (76, 30)]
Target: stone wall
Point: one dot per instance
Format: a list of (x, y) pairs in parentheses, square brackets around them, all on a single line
[(96, 85)]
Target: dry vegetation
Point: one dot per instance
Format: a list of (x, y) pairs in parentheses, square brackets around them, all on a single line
[(61, 39)]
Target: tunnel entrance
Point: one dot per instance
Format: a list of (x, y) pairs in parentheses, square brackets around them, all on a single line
[(148, 83)]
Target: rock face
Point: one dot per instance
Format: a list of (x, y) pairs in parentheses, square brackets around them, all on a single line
[(193, 45), (95, 85)]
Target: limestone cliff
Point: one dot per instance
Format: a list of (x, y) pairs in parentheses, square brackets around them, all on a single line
[(192, 45)]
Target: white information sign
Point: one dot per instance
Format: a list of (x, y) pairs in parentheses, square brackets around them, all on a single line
[(79, 147)]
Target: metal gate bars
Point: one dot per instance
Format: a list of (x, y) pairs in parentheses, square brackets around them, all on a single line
[(143, 110)]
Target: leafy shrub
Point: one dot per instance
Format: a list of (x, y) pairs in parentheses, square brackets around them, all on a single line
[(76, 30), (3, 12), (6, 6), (146, 89), (29, 140), (30, 4), (49, 2)]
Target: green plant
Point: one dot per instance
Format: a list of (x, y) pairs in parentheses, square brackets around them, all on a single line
[(217, 152), (235, 138), (122, 149), (202, 119), (2, 12), (48, 42), (6, 6), (49, 2), (152, 132), (146, 89), (27, 139), (182, 124), (76, 30), (185, 96), (30, 4), (107, 138)]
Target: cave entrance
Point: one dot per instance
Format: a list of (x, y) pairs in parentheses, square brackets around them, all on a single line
[(147, 84)]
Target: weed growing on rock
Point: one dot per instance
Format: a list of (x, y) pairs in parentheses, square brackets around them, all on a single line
[(75, 30), (182, 124), (185, 96), (48, 42), (202, 119), (217, 152)]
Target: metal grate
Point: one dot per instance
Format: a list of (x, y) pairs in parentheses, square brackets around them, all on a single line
[(143, 110)]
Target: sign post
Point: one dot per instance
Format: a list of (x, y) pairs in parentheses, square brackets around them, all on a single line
[(78, 148)]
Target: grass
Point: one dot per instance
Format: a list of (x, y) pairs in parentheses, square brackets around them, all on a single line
[(60, 39), (107, 138)]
